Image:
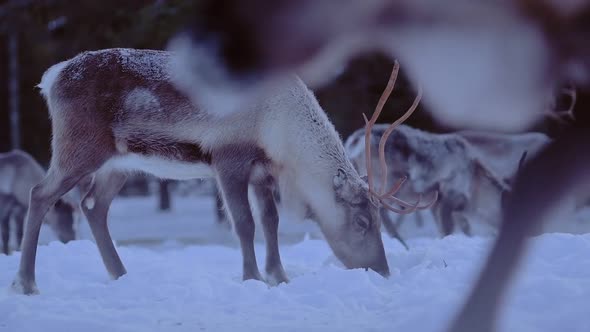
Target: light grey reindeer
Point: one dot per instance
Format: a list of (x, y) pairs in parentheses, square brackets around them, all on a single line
[(19, 172), (446, 163), (10, 208), (116, 110), (471, 169)]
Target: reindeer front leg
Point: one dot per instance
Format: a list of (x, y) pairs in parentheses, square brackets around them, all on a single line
[(233, 165), (5, 213), (270, 222), (448, 213)]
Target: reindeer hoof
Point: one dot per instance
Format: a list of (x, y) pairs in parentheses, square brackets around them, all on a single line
[(25, 287), (252, 276), (463, 326), (276, 277)]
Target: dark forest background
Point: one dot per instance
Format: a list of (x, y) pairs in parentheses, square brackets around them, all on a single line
[(50, 31)]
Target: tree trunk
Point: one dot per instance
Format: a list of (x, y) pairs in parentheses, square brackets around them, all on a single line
[(165, 204), (13, 88)]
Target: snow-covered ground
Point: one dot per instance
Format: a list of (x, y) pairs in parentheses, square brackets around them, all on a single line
[(184, 275)]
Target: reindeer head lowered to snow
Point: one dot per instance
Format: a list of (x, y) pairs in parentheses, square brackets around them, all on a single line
[(361, 201)]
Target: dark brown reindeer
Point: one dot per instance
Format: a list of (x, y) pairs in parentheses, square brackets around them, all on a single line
[(117, 110), (518, 50)]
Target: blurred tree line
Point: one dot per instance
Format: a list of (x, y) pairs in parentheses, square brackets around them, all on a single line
[(49, 31)]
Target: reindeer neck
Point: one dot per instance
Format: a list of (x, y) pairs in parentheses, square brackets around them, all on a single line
[(310, 142)]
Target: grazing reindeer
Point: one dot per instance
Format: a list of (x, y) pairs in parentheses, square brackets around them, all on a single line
[(19, 172), (116, 110), (502, 56), (10, 208), (473, 168), (445, 162)]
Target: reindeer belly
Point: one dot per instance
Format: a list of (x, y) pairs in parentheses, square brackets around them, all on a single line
[(162, 158), (161, 167)]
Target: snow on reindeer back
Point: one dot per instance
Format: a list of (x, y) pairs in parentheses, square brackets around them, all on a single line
[(150, 64), (146, 64)]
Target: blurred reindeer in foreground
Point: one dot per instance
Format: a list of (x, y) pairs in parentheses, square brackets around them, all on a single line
[(482, 64)]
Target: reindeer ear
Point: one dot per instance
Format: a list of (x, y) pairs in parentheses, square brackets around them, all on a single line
[(339, 179)]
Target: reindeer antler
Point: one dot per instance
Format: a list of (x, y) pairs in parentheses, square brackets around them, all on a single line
[(389, 195)]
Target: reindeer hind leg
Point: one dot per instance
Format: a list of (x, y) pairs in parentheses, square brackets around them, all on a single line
[(69, 164), (95, 205), (43, 197)]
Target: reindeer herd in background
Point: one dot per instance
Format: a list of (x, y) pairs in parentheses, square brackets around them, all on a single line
[(470, 171), (462, 167), (284, 141), (154, 128)]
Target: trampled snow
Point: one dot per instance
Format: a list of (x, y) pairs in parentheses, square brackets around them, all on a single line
[(184, 275)]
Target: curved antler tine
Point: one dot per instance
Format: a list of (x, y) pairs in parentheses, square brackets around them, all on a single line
[(409, 207), (372, 192), (368, 163), (370, 123), (386, 93), (396, 210), (388, 132), (403, 203), (431, 203), (395, 187)]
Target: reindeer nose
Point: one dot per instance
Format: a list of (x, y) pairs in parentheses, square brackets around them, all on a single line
[(383, 271), (381, 267)]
